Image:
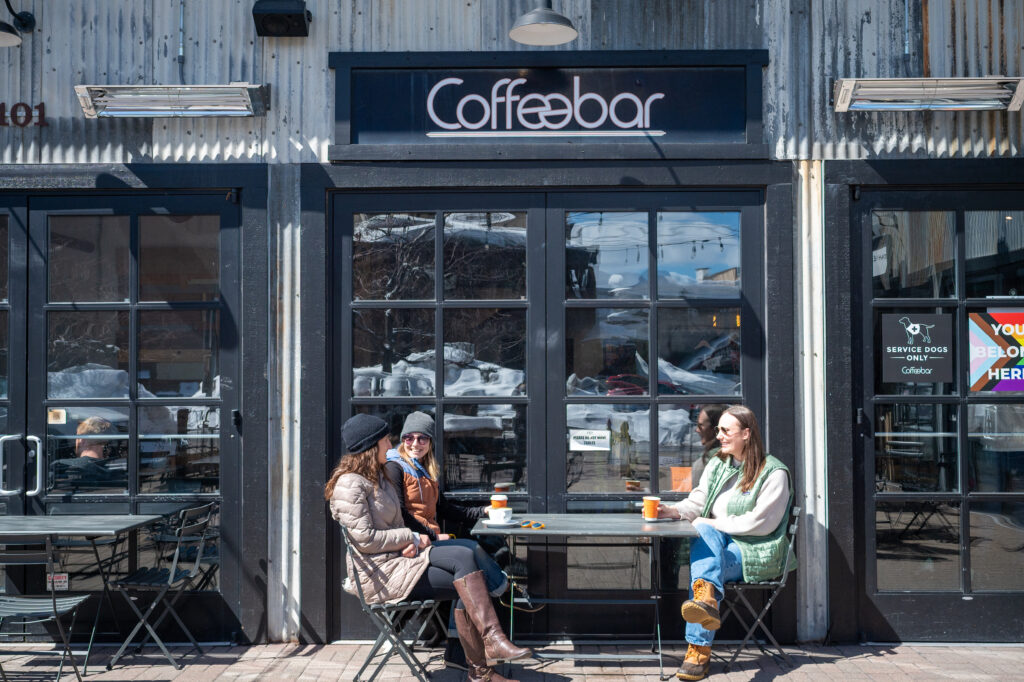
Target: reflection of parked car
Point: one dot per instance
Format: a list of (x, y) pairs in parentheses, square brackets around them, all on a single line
[(634, 384)]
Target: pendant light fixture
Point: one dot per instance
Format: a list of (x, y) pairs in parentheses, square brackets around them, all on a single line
[(543, 26)]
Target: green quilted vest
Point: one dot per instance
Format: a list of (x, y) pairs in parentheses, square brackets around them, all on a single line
[(763, 555)]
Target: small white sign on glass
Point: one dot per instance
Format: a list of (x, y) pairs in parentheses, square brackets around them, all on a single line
[(589, 439)]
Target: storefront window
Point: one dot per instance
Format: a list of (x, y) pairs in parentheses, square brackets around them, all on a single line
[(915, 448), (88, 258), (912, 254), (995, 253), (917, 546), (606, 255), (948, 376), (393, 256), (485, 255)]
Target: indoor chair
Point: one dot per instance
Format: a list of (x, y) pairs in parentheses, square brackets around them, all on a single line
[(389, 619), (736, 594)]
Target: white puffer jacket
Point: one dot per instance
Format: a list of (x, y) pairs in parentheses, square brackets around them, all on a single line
[(373, 517)]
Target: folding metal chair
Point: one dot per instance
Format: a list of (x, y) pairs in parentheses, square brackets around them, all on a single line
[(736, 594), (190, 533), (28, 610), (389, 619)]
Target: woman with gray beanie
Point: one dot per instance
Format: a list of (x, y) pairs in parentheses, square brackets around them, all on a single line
[(401, 564)]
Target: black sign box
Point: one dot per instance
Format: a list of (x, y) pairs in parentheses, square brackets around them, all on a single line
[(541, 105), (917, 348)]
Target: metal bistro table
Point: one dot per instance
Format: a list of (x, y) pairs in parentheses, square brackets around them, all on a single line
[(88, 526), (598, 526)]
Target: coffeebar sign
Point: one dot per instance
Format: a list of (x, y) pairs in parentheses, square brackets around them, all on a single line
[(917, 348), (495, 106)]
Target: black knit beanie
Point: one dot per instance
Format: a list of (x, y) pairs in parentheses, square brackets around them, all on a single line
[(361, 432)]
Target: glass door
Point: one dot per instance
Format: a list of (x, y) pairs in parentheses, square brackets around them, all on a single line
[(656, 297), (13, 446), (942, 326), (550, 336), (132, 357)]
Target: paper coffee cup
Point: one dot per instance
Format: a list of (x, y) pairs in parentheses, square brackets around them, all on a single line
[(651, 507), (499, 501), (503, 487)]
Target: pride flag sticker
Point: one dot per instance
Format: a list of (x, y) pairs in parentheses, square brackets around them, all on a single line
[(997, 351)]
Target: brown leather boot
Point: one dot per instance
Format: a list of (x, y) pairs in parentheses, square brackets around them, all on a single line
[(696, 663), (473, 591), (703, 608), (473, 645)]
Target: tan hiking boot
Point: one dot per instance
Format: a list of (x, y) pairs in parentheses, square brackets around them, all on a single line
[(696, 663), (703, 608)]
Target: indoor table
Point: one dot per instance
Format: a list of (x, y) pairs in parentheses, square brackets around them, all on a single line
[(88, 526), (597, 526)]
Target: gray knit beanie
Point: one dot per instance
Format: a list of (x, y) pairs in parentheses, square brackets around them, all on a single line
[(361, 432), (419, 422)]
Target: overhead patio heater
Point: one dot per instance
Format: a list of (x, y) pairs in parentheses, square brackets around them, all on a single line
[(928, 94), (173, 101)]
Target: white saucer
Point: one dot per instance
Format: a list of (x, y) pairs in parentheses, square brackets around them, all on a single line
[(657, 520), (499, 524)]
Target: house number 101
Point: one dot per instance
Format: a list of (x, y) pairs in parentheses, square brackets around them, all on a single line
[(22, 114)]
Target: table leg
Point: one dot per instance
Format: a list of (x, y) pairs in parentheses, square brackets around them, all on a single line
[(654, 559), (512, 592), (106, 595)]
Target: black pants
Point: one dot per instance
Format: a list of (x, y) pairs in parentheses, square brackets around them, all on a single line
[(448, 563)]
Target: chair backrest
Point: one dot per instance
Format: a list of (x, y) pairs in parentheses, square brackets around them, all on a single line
[(191, 533), (42, 553), (350, 546), (794, 524)]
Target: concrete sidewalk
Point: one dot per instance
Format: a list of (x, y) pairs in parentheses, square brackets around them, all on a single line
[(280, 662)]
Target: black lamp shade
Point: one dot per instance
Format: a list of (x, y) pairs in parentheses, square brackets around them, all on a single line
[(281, 18)]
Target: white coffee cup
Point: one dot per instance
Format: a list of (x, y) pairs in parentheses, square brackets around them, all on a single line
[(500, 514)]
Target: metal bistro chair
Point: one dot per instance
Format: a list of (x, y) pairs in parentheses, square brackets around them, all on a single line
[(774, 587), (389, 619), (190, 532), (27, 610)]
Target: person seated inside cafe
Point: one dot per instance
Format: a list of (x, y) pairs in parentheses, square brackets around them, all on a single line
[(739, 510), (89, 466)]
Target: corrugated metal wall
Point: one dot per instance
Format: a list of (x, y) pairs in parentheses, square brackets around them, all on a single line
[(810, 44)]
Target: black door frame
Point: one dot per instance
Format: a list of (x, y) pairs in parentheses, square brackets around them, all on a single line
[(852, 614), (244, 549), (319, 182)]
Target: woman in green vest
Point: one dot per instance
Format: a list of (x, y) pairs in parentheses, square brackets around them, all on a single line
[(739, 509)]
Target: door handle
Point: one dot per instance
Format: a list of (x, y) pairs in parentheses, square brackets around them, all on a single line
[(40, 469), (3, 451)]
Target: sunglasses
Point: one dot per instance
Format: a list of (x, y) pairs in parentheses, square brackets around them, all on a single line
[(726, 431), (415, 438)]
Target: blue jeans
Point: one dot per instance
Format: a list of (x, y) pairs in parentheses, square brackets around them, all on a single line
[(714, 557)]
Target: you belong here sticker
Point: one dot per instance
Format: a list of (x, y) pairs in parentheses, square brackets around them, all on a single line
[(997, 351)]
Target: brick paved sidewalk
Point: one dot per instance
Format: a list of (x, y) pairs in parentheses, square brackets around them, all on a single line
[(282, 662)]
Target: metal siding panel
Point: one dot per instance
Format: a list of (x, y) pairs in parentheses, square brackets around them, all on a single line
[(17, 65), (72, 56), (220, 47)]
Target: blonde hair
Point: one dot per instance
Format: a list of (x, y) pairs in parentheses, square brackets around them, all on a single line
[(428, 461), (93, 426)]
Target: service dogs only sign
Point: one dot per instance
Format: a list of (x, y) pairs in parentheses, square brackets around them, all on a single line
[(917, 348)]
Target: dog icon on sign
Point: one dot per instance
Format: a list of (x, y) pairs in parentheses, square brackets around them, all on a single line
[(915, 329)]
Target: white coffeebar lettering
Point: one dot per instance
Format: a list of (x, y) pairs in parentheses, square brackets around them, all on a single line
[(536, 111)]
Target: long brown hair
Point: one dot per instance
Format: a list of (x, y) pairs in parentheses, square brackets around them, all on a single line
[(428, 461), (753, 452), (363, 463)]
